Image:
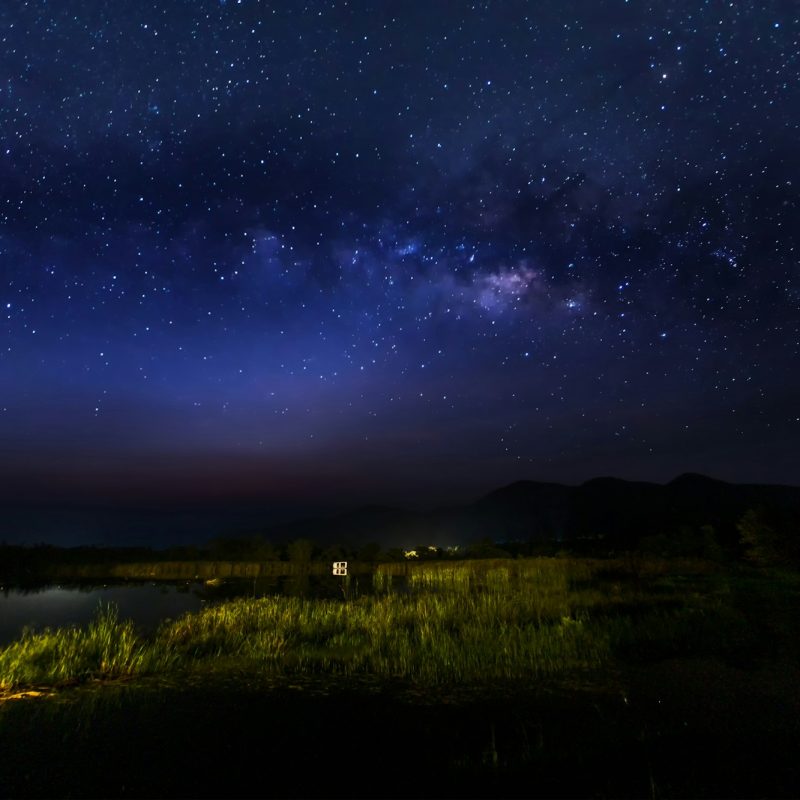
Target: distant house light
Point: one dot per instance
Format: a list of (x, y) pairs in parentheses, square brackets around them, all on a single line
[(410, 553)]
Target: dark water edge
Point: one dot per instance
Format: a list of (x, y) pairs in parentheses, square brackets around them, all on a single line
[(42, 604), (36, 571), (684, 728)]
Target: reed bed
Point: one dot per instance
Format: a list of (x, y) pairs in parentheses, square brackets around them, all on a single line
[(106, 648), (465, 622)]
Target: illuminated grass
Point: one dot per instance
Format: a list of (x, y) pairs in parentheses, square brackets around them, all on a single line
[(106, 648), (473, 621), (433, 638)]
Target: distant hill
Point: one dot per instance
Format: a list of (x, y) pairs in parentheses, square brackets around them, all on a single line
[(615, 511)]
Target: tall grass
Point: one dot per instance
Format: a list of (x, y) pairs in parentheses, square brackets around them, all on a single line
[(474, 621), (428, 637), (106, 648)]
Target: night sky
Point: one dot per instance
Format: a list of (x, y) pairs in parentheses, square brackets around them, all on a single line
[(395, 251)]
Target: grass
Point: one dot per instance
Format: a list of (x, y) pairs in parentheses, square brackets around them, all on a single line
[(465, 622), (106, 648)]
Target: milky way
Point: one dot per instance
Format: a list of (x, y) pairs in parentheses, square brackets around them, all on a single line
[(396, 250)]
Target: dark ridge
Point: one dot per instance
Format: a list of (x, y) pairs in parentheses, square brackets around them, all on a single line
[(521, 490), (618, 513), (696, 480)]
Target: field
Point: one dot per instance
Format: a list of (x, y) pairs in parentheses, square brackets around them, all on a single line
[(534, 676)]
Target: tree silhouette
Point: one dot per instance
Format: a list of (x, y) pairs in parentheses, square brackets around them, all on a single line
[(758, 538), (300, 550)]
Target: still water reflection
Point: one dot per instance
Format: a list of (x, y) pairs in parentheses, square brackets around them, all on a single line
[(147, 604)]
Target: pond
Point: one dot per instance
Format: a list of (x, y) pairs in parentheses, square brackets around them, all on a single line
[(148, 603)]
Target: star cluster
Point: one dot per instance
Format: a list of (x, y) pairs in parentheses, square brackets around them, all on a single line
[(392, 250)]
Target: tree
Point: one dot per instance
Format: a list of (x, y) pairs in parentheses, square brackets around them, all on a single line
[(709, 543), (758, 538), (300, 550), (263, 550), (486, 548), (369, 553)]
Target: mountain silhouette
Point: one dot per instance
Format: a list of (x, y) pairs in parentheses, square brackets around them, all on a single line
[(617, 512), (614, 513)]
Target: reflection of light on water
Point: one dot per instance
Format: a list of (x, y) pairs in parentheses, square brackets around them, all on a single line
[(53, 596)]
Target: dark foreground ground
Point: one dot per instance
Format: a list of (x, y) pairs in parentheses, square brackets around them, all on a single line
[(680, 728)]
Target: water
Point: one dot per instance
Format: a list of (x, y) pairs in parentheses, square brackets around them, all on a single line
[(61, 606), (148, 603)]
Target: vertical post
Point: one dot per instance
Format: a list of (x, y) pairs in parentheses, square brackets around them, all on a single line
[(340, 569)]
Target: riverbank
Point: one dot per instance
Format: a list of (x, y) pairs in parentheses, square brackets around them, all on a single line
[(465, 622), (526, 677), (174, 570)]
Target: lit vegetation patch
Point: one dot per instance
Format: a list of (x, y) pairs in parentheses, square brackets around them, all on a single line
[(474, 621), (106, 648)]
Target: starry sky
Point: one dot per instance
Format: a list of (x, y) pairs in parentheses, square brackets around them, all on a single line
[(395, 251)]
